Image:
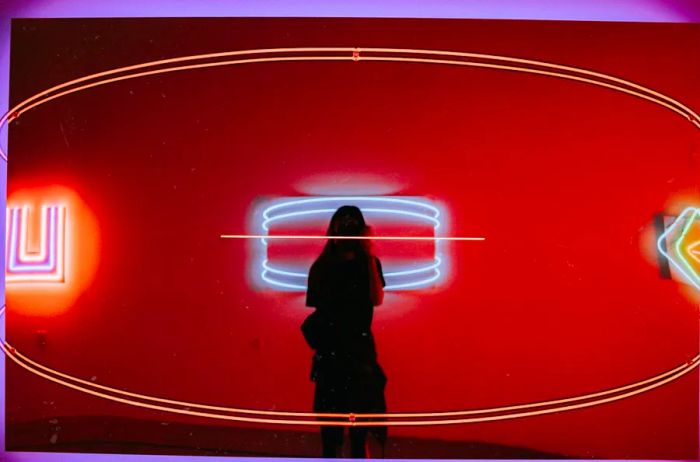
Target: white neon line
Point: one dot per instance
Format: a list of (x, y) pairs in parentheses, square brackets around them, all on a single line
[(8, 219), (275, 282), (53, 270), (12, 254), (292, 203), (48, 243), (421, 216), (437, 261), (378, 238), (294, 214), (389, 287), (60, 243), (17, 265), (24, 254), (419, 283), (266, 266)]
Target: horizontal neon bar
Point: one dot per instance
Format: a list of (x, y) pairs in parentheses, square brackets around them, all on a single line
[(378, 238)]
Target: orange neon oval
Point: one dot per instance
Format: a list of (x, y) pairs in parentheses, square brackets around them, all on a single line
[(353, 55)]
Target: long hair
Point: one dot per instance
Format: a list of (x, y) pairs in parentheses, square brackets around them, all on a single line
[(331, 249)]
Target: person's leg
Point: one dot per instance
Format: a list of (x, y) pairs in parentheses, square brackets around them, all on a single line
[(326, 400), (358, 443), (332, 439)]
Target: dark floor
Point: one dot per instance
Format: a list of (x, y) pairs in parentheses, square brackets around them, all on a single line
[(97, 434)]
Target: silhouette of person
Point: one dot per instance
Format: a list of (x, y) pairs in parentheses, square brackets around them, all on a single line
[(345, 283)]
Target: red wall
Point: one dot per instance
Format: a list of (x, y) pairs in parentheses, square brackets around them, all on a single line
[(563, 179)]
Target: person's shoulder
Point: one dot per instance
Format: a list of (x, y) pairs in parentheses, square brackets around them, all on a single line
[(319, 265)]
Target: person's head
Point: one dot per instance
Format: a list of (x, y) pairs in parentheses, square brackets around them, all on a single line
[(346, 221)]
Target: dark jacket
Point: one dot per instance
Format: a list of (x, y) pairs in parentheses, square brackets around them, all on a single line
[(345, 368)]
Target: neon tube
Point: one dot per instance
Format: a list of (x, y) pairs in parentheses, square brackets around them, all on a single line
[(18, 263), (283, 216), (693, 250), (372, 238), (392, 273), (89, 388), (677, 258), (47, 265), (353, 54), (24, 243), (379, 206)]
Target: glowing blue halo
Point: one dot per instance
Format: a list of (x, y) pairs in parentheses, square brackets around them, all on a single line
[(421, 276)]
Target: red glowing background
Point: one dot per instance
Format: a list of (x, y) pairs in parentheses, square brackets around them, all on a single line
[(563, 179)]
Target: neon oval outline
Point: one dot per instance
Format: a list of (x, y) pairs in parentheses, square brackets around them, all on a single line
[(613, 83)]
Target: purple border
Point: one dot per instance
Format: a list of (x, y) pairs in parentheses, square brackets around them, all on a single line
[(676, 11)]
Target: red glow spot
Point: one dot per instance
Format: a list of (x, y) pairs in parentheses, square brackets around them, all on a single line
[(81, 254)]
